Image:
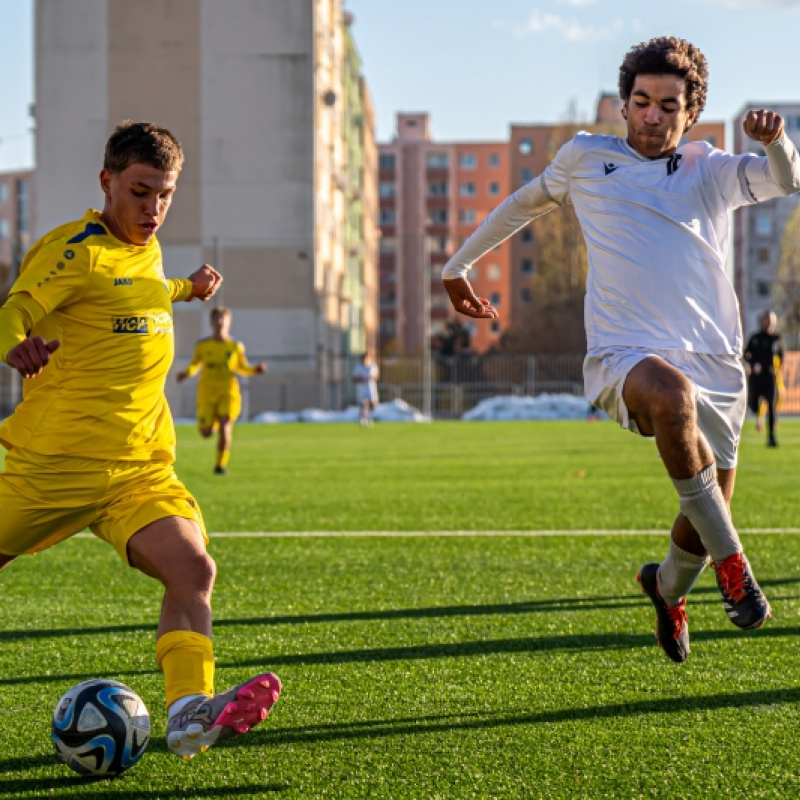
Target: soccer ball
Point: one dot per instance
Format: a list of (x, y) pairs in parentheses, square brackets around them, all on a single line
[(100, 728)]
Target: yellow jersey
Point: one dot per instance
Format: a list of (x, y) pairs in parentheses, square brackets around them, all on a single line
[(102, 394), (220, 360)]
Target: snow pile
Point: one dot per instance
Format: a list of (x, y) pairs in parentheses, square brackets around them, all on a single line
[(396, 411), (543, 406)]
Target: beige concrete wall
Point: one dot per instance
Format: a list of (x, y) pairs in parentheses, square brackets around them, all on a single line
[(71, 119), (154, 75)]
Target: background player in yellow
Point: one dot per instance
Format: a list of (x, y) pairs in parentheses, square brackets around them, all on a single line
[(89, 325), (219, 359)]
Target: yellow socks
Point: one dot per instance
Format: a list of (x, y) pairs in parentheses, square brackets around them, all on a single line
[(187, 660), (222, 458)]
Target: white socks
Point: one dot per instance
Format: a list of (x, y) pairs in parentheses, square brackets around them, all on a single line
[(678, 573), (702, 503)]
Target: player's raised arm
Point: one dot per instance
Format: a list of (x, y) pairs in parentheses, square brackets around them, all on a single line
[(779, 174)]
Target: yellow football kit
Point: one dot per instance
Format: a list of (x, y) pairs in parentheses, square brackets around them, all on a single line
[(218, 393), (92, 443)]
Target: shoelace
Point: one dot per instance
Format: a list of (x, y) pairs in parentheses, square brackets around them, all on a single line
[(733, 577), (678, 615)]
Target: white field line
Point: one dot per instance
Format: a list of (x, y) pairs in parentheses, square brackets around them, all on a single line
[(432, 534)]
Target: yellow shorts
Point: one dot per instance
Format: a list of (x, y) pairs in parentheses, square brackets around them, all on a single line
[(46, 499), (212, 406)]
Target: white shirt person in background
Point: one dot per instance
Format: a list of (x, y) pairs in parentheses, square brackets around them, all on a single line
[(662, 319), (365, 376)]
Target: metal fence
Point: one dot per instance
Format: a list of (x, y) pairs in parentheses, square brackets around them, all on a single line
[(458, 383)]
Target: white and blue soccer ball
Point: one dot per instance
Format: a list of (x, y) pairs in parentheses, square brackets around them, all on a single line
[(100, 728)]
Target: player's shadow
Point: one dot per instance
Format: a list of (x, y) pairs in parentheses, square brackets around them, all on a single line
[(47, 786), (376, 729), (558, 604)]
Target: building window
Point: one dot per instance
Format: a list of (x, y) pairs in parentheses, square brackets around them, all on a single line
[(493, 272), (3, 192), (526, 266), (494, 326), (439, 300), (467, 161), (388, 327), (437, 216), (762, 287), (5, 229), (388, 244), (526, 296), (763, 224), (763, 255), (525, 146), (388, 299), (437, 189), (386, 189), (494, 159), (386, 161), (494, 299), (437, 244), (467, 189), (494, 187), (387, 216), (466, 216), (437, 161), (526, 175), (22, 206), (526, 237)]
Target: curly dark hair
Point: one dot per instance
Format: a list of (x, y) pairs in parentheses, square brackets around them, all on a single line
[(143, 143), (667, 55)]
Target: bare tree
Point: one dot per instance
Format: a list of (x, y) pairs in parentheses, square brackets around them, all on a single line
[(786, 290)]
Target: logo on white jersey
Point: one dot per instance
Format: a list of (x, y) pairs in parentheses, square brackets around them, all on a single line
[(609, 168)]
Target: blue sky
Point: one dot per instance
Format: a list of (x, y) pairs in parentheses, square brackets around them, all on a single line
[(478, 65)]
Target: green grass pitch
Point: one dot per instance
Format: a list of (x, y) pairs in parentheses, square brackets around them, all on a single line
[(503, 666)]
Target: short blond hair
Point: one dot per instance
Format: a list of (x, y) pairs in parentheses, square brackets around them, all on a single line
[(219, 311)]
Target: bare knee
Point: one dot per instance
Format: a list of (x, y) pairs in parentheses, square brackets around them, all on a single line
[(193, 575), (659, 397)]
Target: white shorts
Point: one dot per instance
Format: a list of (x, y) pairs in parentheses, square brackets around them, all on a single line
[(719, 383)]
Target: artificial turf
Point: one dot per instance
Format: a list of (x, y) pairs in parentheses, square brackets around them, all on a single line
[(500, 666)]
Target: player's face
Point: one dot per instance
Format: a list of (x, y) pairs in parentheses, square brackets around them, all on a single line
[(137, 201), (221, 326), (656, 114)]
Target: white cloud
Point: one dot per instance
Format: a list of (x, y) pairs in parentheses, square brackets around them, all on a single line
[(569, 29), (578, 3)]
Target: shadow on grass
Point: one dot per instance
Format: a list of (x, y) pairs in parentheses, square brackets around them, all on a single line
[(81, 788), (483, 721), (432, 612)]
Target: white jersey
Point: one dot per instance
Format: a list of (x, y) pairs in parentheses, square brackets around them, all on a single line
[(657, 235)]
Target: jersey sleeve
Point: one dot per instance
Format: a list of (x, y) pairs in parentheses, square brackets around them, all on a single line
[(242, 367), (196, 364), (55, 276), (179, 289), (542, 194)]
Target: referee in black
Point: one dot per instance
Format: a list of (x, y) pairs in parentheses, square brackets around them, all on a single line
[(764, 356)]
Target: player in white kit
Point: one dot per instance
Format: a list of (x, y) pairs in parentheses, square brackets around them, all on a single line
[(365, 376), (662, 319)]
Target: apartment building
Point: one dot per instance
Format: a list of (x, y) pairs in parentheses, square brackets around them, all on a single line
[(758, 229), (274, 115), (432, 195), (16, 223)]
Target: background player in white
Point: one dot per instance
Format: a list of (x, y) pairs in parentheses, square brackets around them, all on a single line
[(365, 376), (662, 320)]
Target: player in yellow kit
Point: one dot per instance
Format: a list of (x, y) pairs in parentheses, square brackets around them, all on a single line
[(219, 359), (88, 324)]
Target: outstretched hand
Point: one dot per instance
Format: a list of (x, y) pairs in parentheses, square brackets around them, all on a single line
[(466, 302), (205, 282), (763, 126), (31, 356)]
